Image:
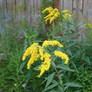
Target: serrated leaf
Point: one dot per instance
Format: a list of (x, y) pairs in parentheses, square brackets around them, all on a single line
[(49, 79), (65, 67)]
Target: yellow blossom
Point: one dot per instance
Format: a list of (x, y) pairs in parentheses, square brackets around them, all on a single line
[(62, 56), (29, 51), (54, 14), (50, 14), (41, 52), (54, 17), (67, 16), (33, 58), (49, 9), (45, 65), (52, 43), (36, 52), (65, 11), (88, 25), (47, 19), (55, 10)]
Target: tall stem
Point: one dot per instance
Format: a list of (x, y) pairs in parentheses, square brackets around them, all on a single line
[(61, 82)]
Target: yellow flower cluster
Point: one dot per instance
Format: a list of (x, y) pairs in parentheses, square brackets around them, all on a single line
[(29, 51), (62, 56), (41, 52), (88, 25), (35, 51), (45, 65), (53, 14), (66, 14), (33, 58), (49, 9), (52, 43), (65, 11)]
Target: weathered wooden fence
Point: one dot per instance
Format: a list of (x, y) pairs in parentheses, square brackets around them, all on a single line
[(30, 9)]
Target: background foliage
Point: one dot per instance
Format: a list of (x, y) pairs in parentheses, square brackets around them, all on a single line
[(74, 77)]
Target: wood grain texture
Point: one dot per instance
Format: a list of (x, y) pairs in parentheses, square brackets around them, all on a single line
[(32, 7)]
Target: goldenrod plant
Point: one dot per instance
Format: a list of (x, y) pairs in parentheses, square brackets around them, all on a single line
[(53, 14), (54, 61), (36, 51)]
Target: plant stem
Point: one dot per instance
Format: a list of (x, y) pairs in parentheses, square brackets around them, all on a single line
[(61, 82)]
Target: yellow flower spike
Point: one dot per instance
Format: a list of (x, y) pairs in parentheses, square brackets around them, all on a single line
[(62, 56), (52, 43), (41, 52), (45, 65), (29, 51), (55, 10), (53, 14), (41, 73), (54, 17), (56, 14), (33, 58), (49, 9), (67, 16), (65, 11), (49, 15), (47, 19), (29, 63)]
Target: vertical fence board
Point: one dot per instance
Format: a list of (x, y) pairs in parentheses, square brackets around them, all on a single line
[(1, 7), (32, 8), (1, 4), (61, 4), (19, 10), (90, 10), (35, 11), (28, 10), (10, 9), (68, 4), (85, 11)]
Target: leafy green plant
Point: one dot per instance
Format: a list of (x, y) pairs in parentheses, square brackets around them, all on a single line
[(77, 49), (74, 77), (47, 3)]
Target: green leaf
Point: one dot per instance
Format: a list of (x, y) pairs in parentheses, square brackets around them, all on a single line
[(22, 66), (72, 84), (52, 91), (77, 91), (49, 79), (60, 89), (69, 52), (65, 67), (50, 87)]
